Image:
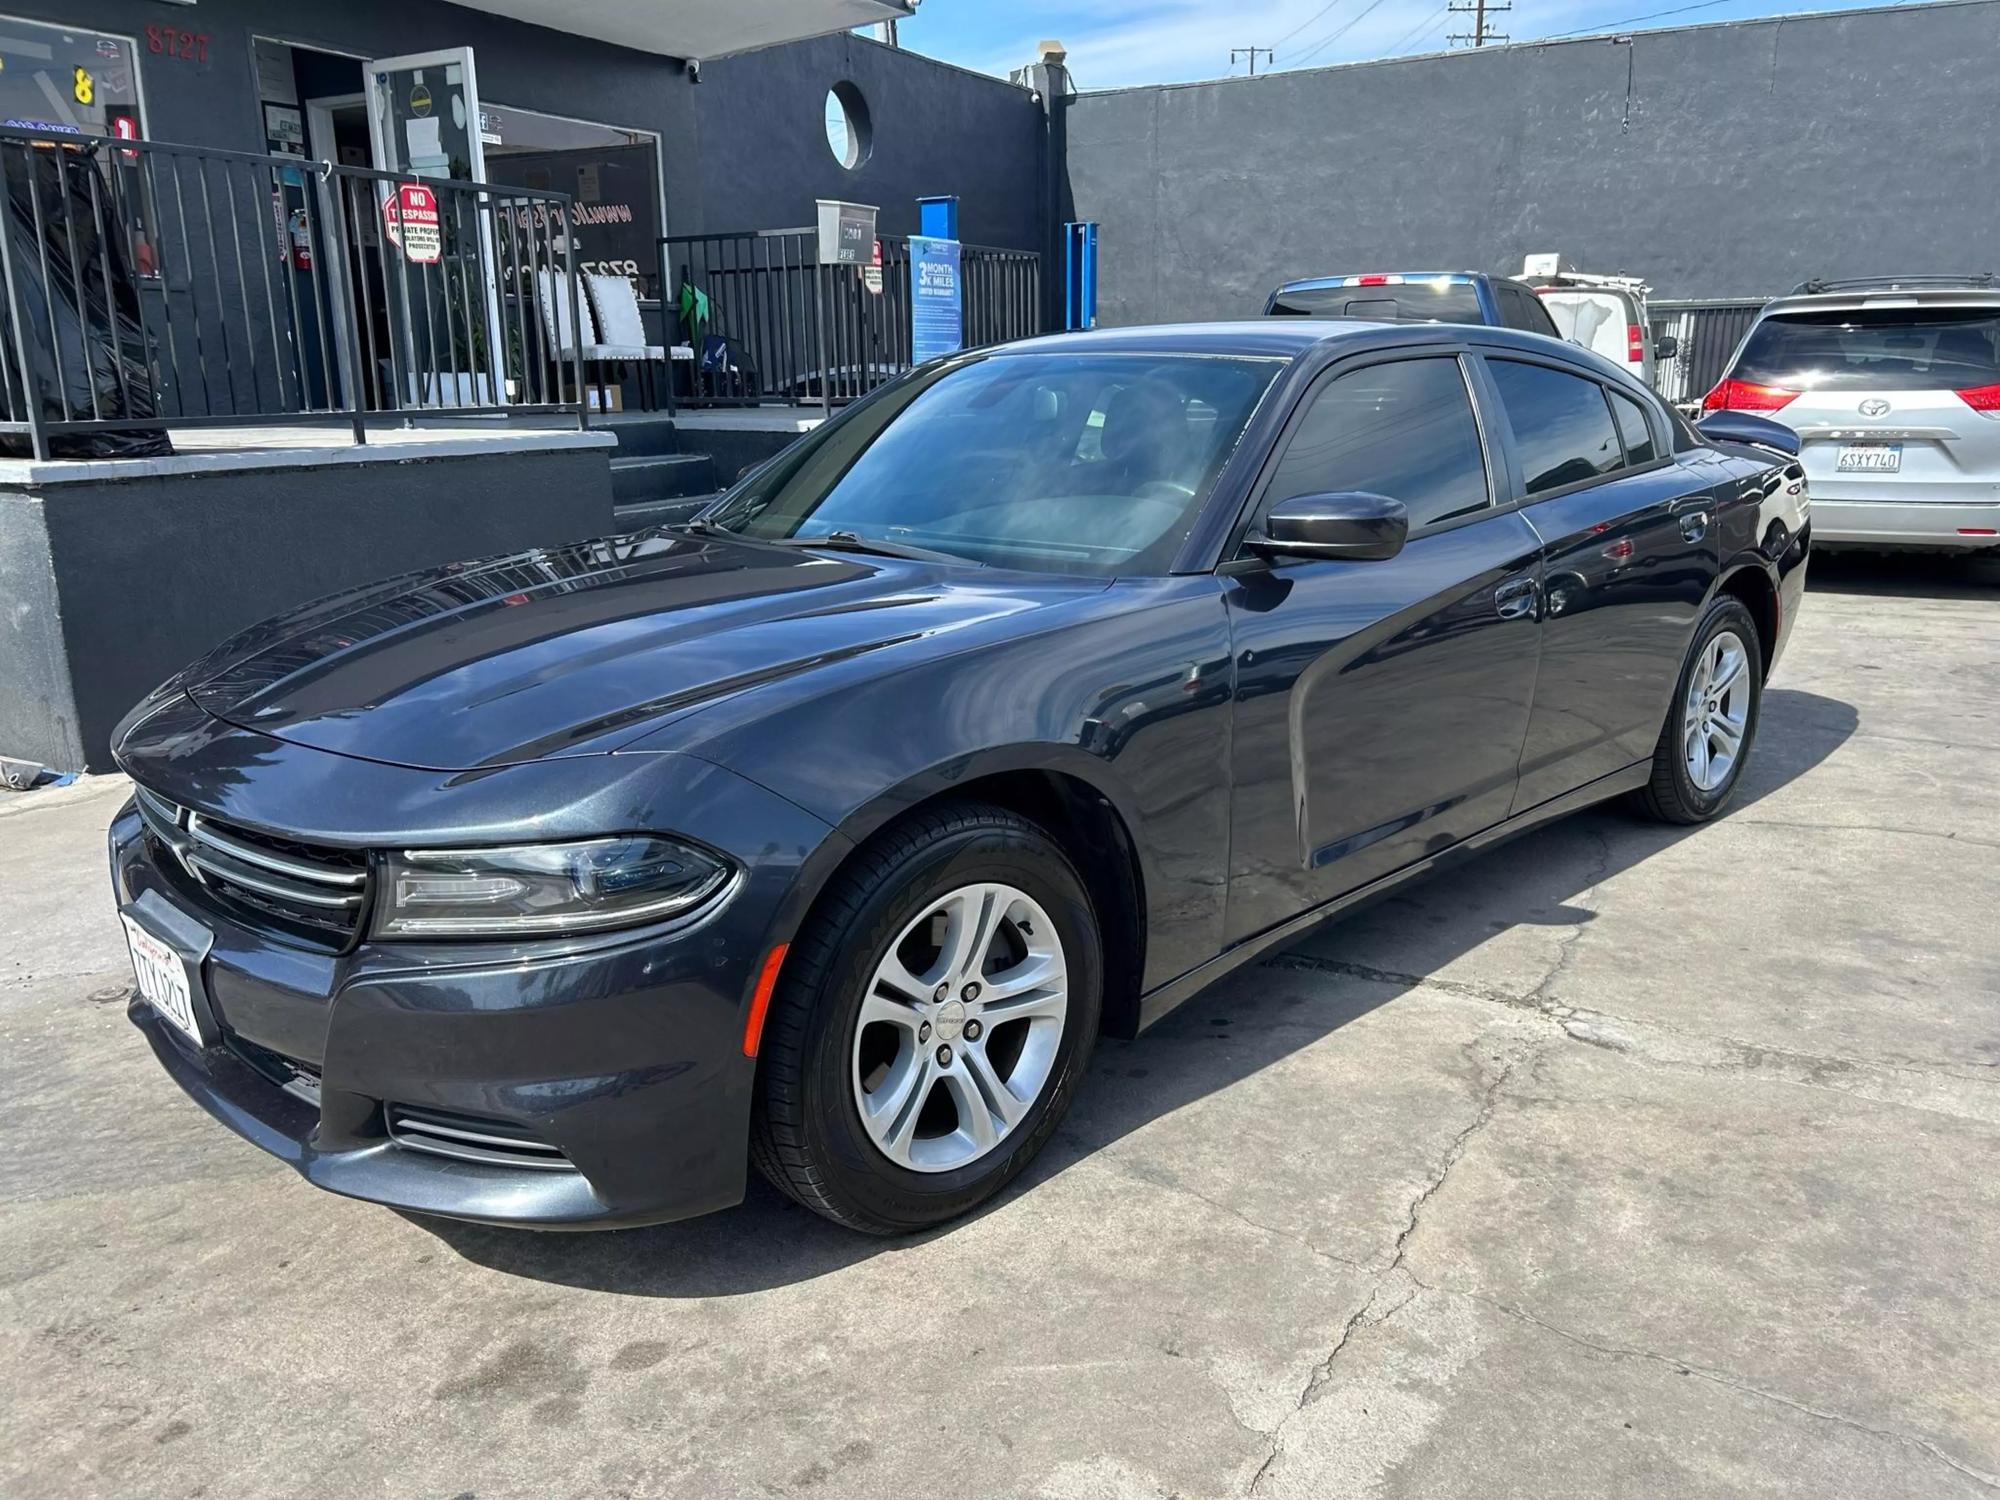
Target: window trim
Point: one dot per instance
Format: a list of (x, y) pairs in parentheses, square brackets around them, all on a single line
[(1517, 481), (1498, 480)]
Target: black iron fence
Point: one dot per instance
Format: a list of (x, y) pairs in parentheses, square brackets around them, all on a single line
[(150, 285), (768, 323), (1707, 333)]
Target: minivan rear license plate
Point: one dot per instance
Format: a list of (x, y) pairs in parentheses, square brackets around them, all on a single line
[(1870, 458)]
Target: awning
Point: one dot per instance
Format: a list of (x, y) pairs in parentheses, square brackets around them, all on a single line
[(698, 28)]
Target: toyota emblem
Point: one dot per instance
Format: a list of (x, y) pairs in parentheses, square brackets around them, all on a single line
[(1874, 406)]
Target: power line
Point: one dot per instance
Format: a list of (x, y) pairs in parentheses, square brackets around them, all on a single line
[(1336, 34), (1679, 10), (1330, 4), (1236, 52), (1428, 23)]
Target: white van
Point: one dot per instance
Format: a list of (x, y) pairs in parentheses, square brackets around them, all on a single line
[(1606, 315)]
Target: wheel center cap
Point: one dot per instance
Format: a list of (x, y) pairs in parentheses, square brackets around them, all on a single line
[(949, 1020)]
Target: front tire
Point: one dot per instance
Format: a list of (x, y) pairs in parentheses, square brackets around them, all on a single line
[(932, 1022), (1712, 724)]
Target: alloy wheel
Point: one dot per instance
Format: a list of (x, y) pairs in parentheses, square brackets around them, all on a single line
[(1716, 715), (960, 1028)]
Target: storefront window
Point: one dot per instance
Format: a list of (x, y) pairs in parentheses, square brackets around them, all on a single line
[(64, 80), (614, 176)]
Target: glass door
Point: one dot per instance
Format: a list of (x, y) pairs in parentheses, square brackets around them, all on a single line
[(424, 122)]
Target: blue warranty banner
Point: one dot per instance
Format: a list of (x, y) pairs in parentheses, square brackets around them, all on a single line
[(937, 304)]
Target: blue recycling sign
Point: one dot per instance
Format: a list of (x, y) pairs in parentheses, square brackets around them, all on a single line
[(937, 303)]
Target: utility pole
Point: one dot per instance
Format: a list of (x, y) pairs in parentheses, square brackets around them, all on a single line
[(1236, 52), (1482, 30)]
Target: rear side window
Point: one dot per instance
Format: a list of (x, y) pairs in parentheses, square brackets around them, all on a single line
[(1408, 302), (1875, 349), (1561, 424), (1523, 310), (1404, 430), (1641, 447)]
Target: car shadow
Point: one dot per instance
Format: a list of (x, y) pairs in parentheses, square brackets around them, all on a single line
[(1905, 575), (770, 1242)]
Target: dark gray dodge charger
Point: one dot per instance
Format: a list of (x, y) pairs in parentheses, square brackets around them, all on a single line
[(1014, 705)]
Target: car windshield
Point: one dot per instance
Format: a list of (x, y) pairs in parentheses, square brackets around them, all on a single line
[(1408, 302), (1875, 349), (1074, 462)]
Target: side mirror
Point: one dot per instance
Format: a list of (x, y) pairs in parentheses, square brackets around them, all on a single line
[(1347, 524), (1742, 427), (1666, 346)]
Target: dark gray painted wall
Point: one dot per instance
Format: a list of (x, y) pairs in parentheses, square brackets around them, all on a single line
[(127, 580), (937, 129), (744, 149), (1714, 161)]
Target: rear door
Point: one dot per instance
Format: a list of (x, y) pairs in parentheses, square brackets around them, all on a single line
[(1893, 400), (1380, 706), (1630, 554)]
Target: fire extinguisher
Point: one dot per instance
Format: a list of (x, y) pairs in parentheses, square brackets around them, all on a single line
[(301, 241)]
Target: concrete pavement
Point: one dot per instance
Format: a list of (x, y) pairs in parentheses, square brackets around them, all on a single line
[(1625, 1161)]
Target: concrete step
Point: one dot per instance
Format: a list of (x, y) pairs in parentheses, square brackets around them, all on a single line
[(641, 435), (666, 476), (643, 513)]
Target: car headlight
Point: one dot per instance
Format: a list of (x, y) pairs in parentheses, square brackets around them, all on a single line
[(543, 889)]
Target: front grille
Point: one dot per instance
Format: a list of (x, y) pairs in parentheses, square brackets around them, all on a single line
[(495, 1143), (321, 890)]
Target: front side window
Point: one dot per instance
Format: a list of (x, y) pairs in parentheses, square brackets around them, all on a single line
[(1875, 349), (1404, 430), (1561, 424), (1080, 462)]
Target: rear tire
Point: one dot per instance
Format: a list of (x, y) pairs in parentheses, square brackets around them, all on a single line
[(891, 1111), (1712, 723)]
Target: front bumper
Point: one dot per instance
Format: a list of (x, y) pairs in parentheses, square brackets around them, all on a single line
[(623, 1054)]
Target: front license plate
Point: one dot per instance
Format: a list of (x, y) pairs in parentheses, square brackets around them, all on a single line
[(1870, 458), (163, 977)]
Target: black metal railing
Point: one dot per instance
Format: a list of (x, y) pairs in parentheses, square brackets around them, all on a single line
[(1707, 333), (768, 323), (146, 286)]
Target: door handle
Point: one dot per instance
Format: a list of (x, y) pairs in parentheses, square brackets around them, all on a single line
[(1694, 524), (1512, 601)]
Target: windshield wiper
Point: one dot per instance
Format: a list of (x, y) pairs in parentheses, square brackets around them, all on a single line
[(850, 541)]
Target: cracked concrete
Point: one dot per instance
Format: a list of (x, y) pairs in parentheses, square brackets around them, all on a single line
[(1623, 1161)]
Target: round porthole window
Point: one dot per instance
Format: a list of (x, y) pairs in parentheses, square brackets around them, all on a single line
[(848, 132)]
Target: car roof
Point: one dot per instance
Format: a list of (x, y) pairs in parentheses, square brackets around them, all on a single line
[(1353, 278), (1854, 301), (1290, 338), (1271, 338)]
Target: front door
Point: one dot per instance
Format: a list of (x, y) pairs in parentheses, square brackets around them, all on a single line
[(424, 121), (1380, 706)]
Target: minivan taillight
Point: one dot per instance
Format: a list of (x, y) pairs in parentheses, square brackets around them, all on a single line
[(1635, 344), (1982, 397), (1743, 395)]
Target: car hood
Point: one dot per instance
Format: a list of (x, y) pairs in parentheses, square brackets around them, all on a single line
[(581, 649)]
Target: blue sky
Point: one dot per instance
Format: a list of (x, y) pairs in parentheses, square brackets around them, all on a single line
[(1117, 42)]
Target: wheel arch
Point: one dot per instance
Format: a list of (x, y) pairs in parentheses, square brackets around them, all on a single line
[(1075, 801), (1749, 582)]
